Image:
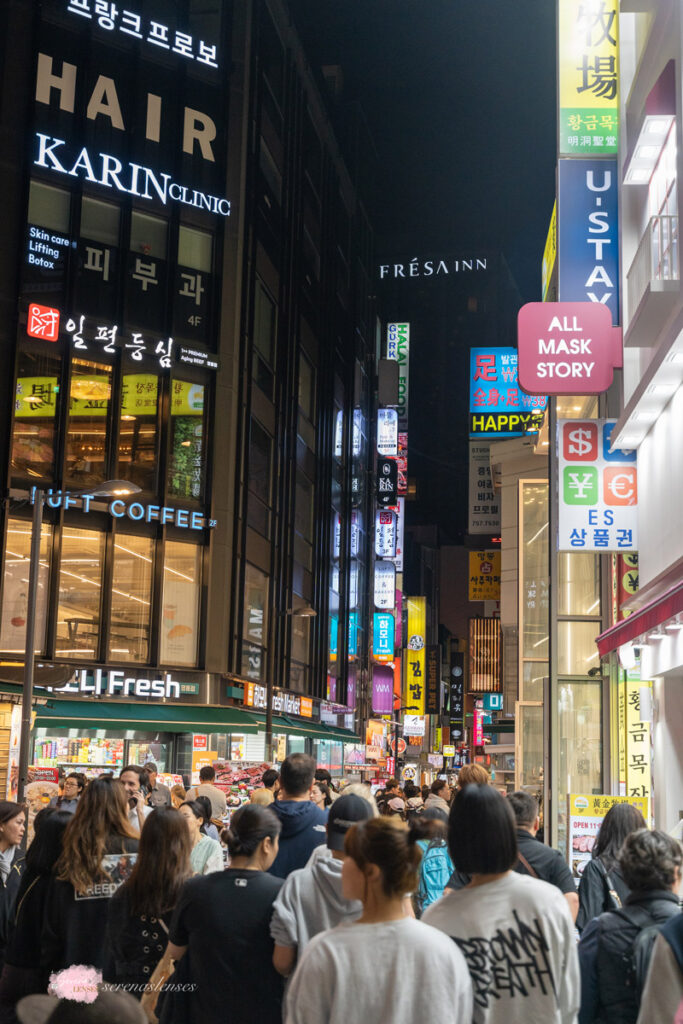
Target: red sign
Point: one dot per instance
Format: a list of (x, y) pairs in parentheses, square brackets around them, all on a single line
[(199, 742), (391, 765), (43, 322), (401, 744), (580, 447), (567, 348)]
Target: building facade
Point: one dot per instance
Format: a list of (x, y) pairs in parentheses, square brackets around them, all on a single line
[(187, 309)]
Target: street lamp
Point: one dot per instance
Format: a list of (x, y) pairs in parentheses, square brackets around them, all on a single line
[(306, 612), (397, 711), (108, 489)]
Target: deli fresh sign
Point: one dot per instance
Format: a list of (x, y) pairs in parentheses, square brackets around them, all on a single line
[(567, 348)]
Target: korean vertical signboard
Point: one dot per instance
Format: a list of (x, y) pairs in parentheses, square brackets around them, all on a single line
[(588, 77), (484, 504), (415, 654), (484, 579), (598, 489), (456, 698), (398, 348), (588, 233), (433, 680), (638, 757)]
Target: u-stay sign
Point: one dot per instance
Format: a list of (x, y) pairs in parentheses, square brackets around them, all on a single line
[(567, 348)]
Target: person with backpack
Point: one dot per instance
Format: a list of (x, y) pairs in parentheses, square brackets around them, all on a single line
[(663, 992), (615, 948), (436, 867), (602, 886)]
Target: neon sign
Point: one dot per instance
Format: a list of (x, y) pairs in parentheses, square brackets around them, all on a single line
[(186, 519)]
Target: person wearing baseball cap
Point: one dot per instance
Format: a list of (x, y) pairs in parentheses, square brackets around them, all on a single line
[(311, 899)]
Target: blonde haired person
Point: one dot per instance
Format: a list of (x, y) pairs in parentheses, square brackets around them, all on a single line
[(337, 979), (178, 796), (474, 774), (263, 797)]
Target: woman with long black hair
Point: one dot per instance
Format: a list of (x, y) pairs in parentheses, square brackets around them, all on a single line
[(98, 855), (22, 974), (602, 886), (12, 862), (220, 933), (139, 913), (423, 977)]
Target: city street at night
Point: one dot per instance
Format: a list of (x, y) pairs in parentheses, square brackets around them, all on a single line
[(341, 596)]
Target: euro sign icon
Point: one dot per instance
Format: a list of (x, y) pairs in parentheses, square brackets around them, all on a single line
[(579, 441)]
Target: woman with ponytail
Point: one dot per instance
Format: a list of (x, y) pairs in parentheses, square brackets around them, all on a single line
[(220, 931), (337, 980)]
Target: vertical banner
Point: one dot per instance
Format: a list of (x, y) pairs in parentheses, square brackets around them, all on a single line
[(598, 489), (588, 233), (433, 681), (484, 504), (382, 689), (638, 758), (477, 728), (485, 655), (456, 700), (588, 59), (415, 654), (398, 348)]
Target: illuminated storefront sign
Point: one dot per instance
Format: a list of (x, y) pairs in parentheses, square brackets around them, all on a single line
[(256, 696), (114, 682), (588, 233), (638, 760), (415, 653), (433, 680), (397, 558), (382, 689), (135, 511), (430, 268), (588, 44), (387, 482), (497, 406), (385, 584), (385, 534), (387, 432), (484, 505), (414, 725), (598, 489), (567, 348), (549, 253), (484, 581), (154, 33), (398, 348), (383, 636)]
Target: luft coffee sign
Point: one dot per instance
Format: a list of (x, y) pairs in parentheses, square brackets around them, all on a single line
[(567, 348)]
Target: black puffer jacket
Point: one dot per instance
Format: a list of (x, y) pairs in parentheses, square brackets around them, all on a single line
[(8, 897), (594, 897)]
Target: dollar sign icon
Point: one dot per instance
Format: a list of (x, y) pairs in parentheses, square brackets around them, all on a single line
[(580, 441)]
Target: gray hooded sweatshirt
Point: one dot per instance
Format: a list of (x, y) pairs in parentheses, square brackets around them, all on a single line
[(310, 902)]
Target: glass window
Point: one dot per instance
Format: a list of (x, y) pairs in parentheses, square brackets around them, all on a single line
[(255, 622), (49, 207), (264, 340), (100, 221), (186, 471), (138, 455), (148, 235), (534, 562), (303, 519), (306, 387), (576, 649), (580, 745), (34, 431), (579, 583), (195, 249), (180, 604), (131, 598), (15, 587), (80, 591), (260, 479), (86, 436), (532, 685)]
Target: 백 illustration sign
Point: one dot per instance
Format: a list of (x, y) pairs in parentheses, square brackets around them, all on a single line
[(567, 348)]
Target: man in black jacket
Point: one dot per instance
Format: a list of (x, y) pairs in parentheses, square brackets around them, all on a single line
[(608, 954)]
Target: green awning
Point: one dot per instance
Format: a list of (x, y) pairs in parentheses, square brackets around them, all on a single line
[(309, 730), (96, 714), (343, 735)]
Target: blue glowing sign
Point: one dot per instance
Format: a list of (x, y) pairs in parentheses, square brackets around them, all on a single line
[(383, 636), (497, 405)]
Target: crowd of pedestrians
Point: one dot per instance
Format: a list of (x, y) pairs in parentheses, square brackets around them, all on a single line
[(321, 906)]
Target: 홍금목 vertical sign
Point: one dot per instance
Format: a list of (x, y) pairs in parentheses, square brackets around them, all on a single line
[(588, 66), (598, 489), (415, 654)]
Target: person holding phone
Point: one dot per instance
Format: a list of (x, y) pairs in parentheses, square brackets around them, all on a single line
[(133, 779)]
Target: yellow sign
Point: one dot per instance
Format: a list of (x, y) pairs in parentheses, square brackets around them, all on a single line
[(139, 394), (588, 60), (35, 397), (186, 399), (484, 576), (638, 761), (585, 812), (415, 655), (549, 253)]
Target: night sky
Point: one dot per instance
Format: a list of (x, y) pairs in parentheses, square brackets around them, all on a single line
[(459, 96)]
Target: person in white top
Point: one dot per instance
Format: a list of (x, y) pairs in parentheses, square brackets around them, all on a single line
[(339, 980), (515, 931)]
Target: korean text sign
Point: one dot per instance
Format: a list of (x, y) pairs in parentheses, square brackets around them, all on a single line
[(588, 77), (598, 489), (484, 504), (588, 238), (484, 580), (497, 406), (585, 815), (415, 654), (638, 758)]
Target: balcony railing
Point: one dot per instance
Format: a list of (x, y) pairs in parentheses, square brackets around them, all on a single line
[(655, 260)]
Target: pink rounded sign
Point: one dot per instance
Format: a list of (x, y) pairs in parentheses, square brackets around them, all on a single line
[(567, 348)]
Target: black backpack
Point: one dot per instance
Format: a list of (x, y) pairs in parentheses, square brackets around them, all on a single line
[(639, 956)]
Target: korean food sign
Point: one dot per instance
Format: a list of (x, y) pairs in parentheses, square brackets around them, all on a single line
[(588, 64), (585, 814)]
